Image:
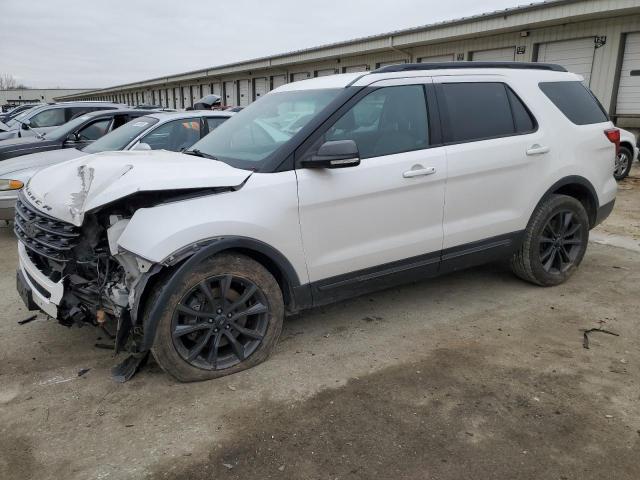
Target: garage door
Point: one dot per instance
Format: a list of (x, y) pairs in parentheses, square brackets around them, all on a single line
[(216, 89), (355, 68), (495, 55), (278, 81), (436, 58), (386, 64), (629, 89), (230, 94), (574, 55), (326, 72), (300, 76), (243, 88), (259, 87)]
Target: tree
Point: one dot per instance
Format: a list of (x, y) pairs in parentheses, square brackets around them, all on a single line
[(8, 82)]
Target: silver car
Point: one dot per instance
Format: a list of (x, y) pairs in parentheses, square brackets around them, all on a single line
[(155, 131), (48, 116)]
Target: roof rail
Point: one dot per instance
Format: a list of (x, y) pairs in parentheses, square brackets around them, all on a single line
[(407, 67)]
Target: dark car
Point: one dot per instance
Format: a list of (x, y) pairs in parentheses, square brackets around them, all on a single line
[(77, 133)]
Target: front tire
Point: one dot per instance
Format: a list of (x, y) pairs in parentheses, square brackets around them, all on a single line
[(624, 160), (223, 317), (554, 243)]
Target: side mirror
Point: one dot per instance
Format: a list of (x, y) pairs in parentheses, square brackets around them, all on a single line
[(140, 146), (72, 138), (26, 124), (335, 154)]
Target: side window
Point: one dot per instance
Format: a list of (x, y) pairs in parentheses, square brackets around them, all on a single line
[(522, 119), (175, 136), (48, 118), (387, 121), (477, 111), (575, 101), (94, 130), (214, 122)]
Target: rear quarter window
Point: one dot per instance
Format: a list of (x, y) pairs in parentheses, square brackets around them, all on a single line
[(575, 101)]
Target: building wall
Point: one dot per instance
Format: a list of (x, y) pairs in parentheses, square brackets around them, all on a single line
[(16, 97), (524, 30)]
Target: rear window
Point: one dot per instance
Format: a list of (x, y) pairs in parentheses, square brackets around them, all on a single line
[(477, 111), (576, 102)]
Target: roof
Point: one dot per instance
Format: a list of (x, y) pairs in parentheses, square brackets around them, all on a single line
[(592, 8), (410, 70)]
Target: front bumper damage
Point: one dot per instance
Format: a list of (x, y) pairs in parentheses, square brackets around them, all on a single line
[(79, 276)]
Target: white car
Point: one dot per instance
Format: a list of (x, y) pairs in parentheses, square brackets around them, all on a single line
[(395, 175), (153, 131), (626, 154)]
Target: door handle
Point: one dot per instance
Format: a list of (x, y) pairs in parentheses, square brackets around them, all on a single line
[(537, 150), (418, 171)]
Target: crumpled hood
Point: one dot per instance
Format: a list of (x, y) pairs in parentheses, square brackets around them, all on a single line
[(38, 160), (68, 190)]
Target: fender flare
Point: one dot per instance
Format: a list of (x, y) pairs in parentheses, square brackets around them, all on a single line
[(195, 254), (572, 180)]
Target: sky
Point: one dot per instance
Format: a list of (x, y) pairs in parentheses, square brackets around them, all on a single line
[(101, 43)]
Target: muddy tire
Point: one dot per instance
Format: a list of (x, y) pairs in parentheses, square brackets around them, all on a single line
[(222, 317), (554, 243)]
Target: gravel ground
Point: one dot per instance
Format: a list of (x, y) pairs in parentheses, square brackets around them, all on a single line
[(472, 375)]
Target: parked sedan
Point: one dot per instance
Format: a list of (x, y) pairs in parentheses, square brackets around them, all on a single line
[(627, 153), (76, 134), (44, 118), (153, 131)]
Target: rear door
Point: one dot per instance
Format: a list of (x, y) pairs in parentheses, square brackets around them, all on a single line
[(384, 216), (494, 149)]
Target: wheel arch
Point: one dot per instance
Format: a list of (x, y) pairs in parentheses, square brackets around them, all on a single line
[(179, 263), (579, 188)]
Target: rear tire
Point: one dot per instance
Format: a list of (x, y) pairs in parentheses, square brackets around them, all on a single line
[(624, 160), (554, 242), (223, 317)]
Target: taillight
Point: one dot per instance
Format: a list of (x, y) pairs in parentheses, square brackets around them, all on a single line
[(613, 134)]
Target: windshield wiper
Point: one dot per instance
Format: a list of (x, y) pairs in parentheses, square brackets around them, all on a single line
[(198, 153)]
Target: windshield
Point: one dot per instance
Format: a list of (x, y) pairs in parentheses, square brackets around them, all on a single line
[(15, 121), (249, 137), (65, 129), (122, 136)]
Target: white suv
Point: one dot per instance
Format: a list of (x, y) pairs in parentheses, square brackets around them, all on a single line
[(322, 190)]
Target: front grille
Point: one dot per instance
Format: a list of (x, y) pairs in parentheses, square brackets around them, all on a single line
[(43, 235)]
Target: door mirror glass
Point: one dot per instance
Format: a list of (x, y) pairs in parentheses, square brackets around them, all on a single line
[(26, 124), (72, 138), (335, 154), (141, 146)]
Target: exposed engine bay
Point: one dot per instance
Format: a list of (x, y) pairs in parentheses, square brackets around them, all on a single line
[(103, 284)]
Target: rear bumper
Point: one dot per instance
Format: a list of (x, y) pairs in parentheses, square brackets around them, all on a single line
[(46, 293), (604, 211)]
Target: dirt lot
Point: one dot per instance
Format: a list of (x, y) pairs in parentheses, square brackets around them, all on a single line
[(473, 375)]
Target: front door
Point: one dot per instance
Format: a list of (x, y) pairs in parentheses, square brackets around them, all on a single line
[(384, 216)]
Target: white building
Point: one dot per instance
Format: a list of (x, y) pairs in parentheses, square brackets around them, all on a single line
[(36, 95), (599, 39)]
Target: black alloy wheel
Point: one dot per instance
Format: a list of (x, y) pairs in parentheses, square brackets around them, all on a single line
[(561, 242), (220, 322)]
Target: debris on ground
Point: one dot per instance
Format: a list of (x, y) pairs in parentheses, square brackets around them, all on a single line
[(585, 341), (228, 465), (83, 371), (27, 320)]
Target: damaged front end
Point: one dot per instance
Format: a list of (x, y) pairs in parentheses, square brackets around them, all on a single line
[(77, 274)]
